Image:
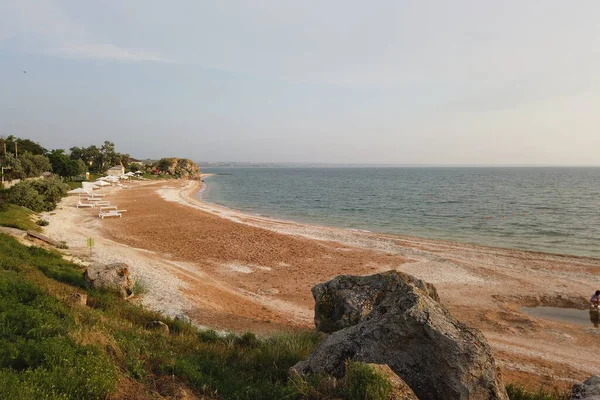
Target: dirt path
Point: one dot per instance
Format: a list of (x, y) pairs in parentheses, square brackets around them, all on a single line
[(233, 271)]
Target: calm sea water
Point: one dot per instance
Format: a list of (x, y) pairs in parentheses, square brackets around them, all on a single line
[(546, 209)]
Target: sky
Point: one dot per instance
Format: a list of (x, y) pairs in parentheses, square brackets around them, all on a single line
[(401, 82)]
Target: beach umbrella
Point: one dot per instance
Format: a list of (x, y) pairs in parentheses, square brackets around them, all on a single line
[(139, 172), (101, 183), (130, 173), (79, 192)]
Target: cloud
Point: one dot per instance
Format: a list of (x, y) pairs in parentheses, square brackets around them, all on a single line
[(102, 51), (42, 26)]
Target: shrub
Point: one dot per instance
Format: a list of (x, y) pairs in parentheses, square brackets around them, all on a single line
[(42, 222), (38, 195)]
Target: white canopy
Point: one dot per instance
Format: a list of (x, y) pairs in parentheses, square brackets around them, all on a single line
[(130, 173), (101, 183), (138, 172)]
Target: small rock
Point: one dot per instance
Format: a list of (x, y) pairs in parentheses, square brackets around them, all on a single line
[(77, 298), (158, 325), (588, 390), (113, 276), (183, 318)]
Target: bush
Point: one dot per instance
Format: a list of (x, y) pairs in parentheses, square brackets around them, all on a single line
[(38, 195), (42, 222)]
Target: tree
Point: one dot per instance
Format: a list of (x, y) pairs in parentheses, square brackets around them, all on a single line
[(13, 143), (38, 195), (26, 166), (59, 161), (34, 164), (64, 166)]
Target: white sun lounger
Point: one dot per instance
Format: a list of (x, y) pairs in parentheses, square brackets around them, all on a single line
[(102, 203), (91, 205), (97, 195), (109, 214), (108, 208)]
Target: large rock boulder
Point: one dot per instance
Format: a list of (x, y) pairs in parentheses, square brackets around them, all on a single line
[(112, 276), (588, 390), (395, 319)]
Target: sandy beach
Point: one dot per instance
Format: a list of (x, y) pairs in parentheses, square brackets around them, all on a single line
[(231, 271)]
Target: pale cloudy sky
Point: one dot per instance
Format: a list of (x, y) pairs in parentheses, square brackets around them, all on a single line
[(430, 82)]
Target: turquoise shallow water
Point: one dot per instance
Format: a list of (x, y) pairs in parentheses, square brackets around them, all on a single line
[(545, 209)]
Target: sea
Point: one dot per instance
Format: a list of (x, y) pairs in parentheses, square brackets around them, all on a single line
[(548, 209)]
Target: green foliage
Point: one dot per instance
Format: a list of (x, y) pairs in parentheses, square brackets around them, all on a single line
[(99, 159), (14, 216), (37, 358), (516, 392), (27, 165), (13, 144), (363, 383), (38, 195), (64, 166), (42, 222)]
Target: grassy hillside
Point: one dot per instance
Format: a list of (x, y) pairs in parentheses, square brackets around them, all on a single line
[(14, 216)]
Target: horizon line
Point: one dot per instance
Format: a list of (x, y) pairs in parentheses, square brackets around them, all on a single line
[(273, 163)]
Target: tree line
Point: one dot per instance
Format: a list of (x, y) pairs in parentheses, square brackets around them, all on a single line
[(24, 158)]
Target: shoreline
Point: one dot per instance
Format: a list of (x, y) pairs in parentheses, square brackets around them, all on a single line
[(206, 205), (234, 271)]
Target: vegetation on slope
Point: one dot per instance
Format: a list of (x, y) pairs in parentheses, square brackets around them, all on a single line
[(14, 216)]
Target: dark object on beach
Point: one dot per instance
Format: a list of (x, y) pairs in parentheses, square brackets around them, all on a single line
[(395, 319), (595, 317)]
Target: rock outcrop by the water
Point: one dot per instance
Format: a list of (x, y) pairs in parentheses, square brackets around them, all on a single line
[(181, 168), (588, 390), (112, 276), (395, 319)]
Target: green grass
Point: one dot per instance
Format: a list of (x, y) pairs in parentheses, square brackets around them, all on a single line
[(516, 392), (73, 185), (14, 216)]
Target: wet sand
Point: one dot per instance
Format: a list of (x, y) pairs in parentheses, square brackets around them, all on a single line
[(232, 271)]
